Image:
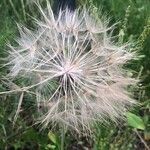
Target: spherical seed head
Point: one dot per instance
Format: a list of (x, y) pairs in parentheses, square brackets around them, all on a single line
[(76, 69)]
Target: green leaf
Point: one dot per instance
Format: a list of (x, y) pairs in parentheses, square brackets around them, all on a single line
[(49, 146), (135, 121), (52, 137)]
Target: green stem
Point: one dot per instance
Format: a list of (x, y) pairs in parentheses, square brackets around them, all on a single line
[(63, 138), (23, 9)]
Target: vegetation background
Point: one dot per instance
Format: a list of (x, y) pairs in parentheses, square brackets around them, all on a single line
[(134, 134)]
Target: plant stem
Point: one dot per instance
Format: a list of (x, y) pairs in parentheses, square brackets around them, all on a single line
[(142, 140), (63, 132), (23, 9)]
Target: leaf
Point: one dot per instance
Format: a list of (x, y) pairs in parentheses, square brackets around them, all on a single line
[(52, 137), (135, 121), (49, 146)]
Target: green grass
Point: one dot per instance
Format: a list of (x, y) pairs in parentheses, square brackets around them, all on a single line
[(134, 18)]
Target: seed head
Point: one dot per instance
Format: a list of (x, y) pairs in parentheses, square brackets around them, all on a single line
[(76, 69)]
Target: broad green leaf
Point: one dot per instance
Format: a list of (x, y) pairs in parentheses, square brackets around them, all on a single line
[(52, 137), (135, 121)]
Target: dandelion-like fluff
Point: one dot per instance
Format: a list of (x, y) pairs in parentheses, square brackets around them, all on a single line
[(76, 71)]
